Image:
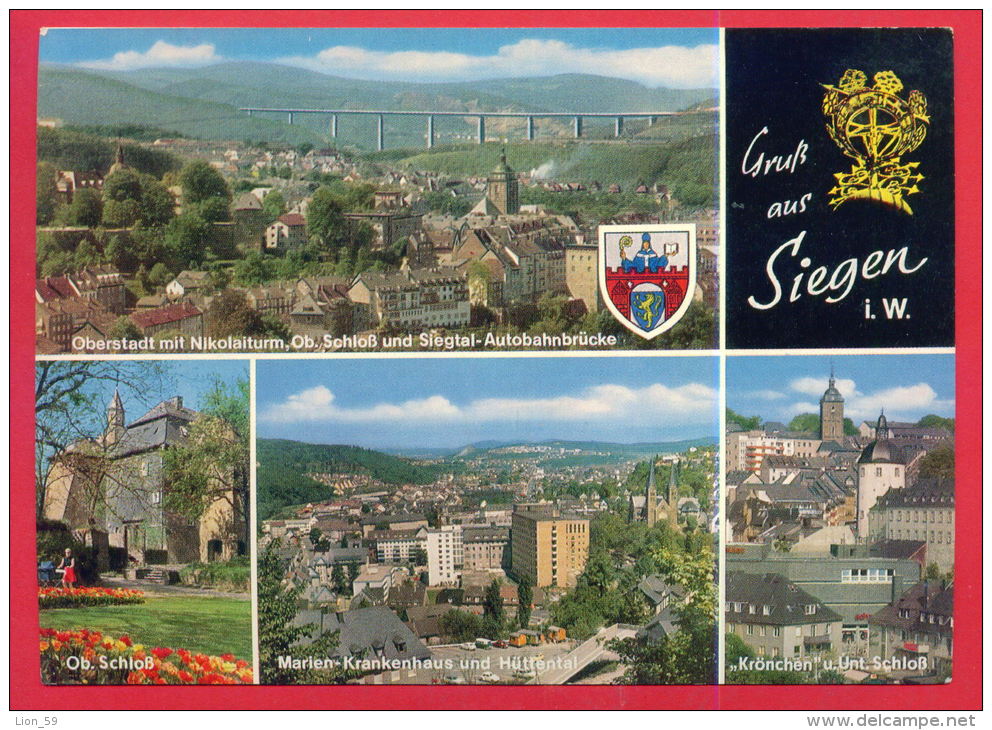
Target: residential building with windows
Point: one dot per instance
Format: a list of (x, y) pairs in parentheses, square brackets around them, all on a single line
[(918, 625), (923, 512), (445, 555), (548, 547), (777, 618)]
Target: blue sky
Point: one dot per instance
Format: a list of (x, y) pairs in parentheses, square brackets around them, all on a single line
[(419, 403), (779, 388), (192, 379), (678, 58)]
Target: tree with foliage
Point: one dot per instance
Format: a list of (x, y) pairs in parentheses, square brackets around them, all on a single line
[(230, 314), (525, 598), (339, 579), (747, 423), (273, 206), (932, 420), (187, 240), (201, 182), (160, 275), (687, 656), (120, 213), (325, 218), (86, 208), (214, 210), (70, 403), (123, 184), (157, 204), (462, 625), (124, 329), (46, 194), (805, 422), (279, 635), (212, 465), (938, 464), (493, 613)]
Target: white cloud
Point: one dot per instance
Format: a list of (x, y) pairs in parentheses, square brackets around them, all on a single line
[(655, 403), (160, 54), (816, 386), (669, 66), (900, 403), (764, 394)]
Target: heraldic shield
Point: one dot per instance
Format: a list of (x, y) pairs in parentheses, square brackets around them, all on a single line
[(647, 274)]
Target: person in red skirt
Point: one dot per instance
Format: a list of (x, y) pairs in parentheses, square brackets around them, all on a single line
[(68, 569)]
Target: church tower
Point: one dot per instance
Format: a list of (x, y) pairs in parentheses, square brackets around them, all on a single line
[(119, 163), (832, 413), (673, 494), (115, 420), (503, 188), (651, 499)]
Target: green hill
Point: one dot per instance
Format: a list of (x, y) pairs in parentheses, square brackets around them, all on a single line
[(83, 98), (688, 167), (204, 102), (283, 464)]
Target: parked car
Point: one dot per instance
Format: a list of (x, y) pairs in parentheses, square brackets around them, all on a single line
[(467, 646), (483, 644), (500, 644), (525, 674), (454, 679), (488, 677)]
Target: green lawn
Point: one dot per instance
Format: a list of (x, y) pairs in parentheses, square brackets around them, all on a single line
[(200, 624)]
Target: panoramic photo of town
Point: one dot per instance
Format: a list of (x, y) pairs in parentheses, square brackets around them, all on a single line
[(488, 521), (840, 519), (143, 525), (281, 190)]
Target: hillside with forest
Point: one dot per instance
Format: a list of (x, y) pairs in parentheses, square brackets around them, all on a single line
[(284, 464)]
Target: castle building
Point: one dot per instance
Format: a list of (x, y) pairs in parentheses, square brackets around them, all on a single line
[(114, 487), (832, 413), (881, 467)]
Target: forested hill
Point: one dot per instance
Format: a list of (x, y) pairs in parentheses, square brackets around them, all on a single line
[(283, 464)]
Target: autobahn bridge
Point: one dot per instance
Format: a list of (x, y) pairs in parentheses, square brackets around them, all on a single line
[(380, 116)]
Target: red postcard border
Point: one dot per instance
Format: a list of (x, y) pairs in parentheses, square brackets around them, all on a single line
[(964, 692)]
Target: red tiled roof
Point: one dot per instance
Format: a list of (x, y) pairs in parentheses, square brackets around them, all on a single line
[(54, 287), (164, 315), (293, 219)]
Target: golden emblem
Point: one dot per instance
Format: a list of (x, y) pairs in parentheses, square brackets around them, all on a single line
[(875, 127)]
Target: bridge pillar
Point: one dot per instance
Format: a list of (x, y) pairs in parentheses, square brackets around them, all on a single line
[(578, 127), (618, 127), (249, 112), (530, 129), (651, 121), (380, 142), (334, 125), (482, 130), (430, 131), (291, 117)]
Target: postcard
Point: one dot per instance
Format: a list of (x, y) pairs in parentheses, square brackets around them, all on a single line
[(582, 360)]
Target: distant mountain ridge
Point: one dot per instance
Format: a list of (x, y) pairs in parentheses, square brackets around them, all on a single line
[(176, 98), (640, 448)]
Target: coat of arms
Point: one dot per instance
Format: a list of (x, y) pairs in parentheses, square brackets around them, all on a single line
[(647, 274), (875, 127)]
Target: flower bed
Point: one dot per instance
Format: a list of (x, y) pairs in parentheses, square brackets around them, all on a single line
[(73, 597), (89, 657)]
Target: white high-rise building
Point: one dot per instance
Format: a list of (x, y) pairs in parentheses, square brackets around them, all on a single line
[(445, 555)]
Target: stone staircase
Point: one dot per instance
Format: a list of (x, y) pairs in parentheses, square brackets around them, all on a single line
[(159, 576)]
